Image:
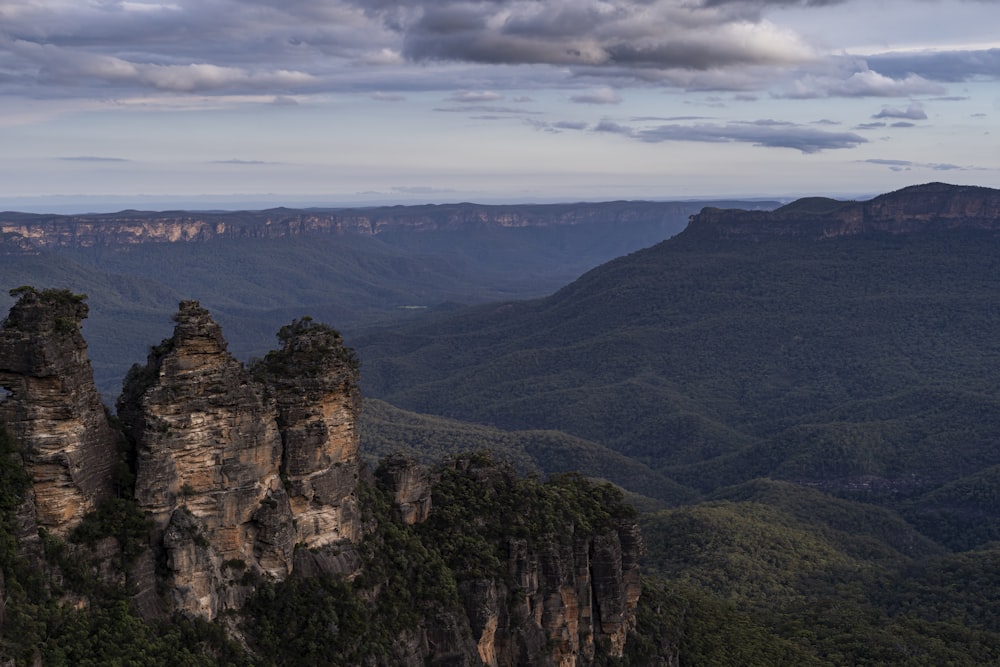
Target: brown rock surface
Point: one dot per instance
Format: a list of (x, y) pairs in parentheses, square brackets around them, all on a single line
[(409, 484), (313, 380), (53, 409), (208, 456)]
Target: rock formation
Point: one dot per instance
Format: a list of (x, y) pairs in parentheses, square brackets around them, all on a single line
[(236, 474), (53, 408), (313, 380), (565, 594), (409, 484), (933, 206), (208, 457), (250, 474)]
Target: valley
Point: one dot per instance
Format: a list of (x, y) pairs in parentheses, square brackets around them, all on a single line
[(797, 403)]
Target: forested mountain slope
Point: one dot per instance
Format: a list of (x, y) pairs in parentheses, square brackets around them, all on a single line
[(863, 362), (258, 269)]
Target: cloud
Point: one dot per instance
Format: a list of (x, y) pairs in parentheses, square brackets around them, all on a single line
[(766, 133), (913, 112), (107, 48), (602, 96), (615, 35), (863, 82), (569, 125), (469, 96), (93, 158), (244, 162), (946, 66), (387, 97), (487, 109), (907, 165)]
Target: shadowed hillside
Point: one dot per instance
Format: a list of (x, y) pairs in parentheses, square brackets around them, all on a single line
[(865, 364)]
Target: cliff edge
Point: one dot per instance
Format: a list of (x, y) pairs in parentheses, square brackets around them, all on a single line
[(928, 207), (241, 483)]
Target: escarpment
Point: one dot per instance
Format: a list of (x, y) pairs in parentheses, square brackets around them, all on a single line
[(929, 207), (246, 479), (30, 233)]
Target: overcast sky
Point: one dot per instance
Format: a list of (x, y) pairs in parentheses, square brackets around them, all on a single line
[(348, 101)]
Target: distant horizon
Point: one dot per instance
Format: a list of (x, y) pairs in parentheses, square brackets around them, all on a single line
[(379, 102), (103, 204)]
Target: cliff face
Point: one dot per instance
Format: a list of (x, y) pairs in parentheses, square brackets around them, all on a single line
[(53, 408), (235, 474), (208, 455), (313, 379), (32, 233), (565, 579), (248, 476), (567, 600), (934, 206)]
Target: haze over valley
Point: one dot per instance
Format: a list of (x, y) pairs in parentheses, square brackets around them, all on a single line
[(794, 404)]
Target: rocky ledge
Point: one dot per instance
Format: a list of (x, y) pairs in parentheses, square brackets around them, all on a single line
[(929, 207)]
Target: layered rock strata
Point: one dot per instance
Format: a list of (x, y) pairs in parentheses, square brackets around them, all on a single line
[(53, 409), (566, 600), (313, 380), (22, 232), (231, 487), (237, 467)]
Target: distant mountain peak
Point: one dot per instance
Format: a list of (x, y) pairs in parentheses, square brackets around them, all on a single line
[(931, 206)]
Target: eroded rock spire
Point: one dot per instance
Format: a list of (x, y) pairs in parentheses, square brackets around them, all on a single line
[(53, 409)]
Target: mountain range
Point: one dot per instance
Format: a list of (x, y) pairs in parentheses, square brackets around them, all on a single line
[(256, 270), (781, 345), (801, 401)]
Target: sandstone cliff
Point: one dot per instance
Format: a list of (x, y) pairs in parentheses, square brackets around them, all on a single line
[(249, 479), (208, 456), (549, 573), (53, 408), (313, 380), (236, 474), (21, 232), (934, 206)]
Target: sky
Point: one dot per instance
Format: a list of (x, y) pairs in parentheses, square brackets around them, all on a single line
[(106, 104)]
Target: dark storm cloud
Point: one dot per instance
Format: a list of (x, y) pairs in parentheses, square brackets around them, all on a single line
[(644, 34), (302, 46), (766, 133)]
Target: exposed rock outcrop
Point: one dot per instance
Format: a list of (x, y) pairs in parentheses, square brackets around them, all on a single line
[(566, 592), (250, 475), (409, 484), (26, 233), (53, 408), (934, 206), (567, 600), (313, 380), (235, 472), (208, 455)]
